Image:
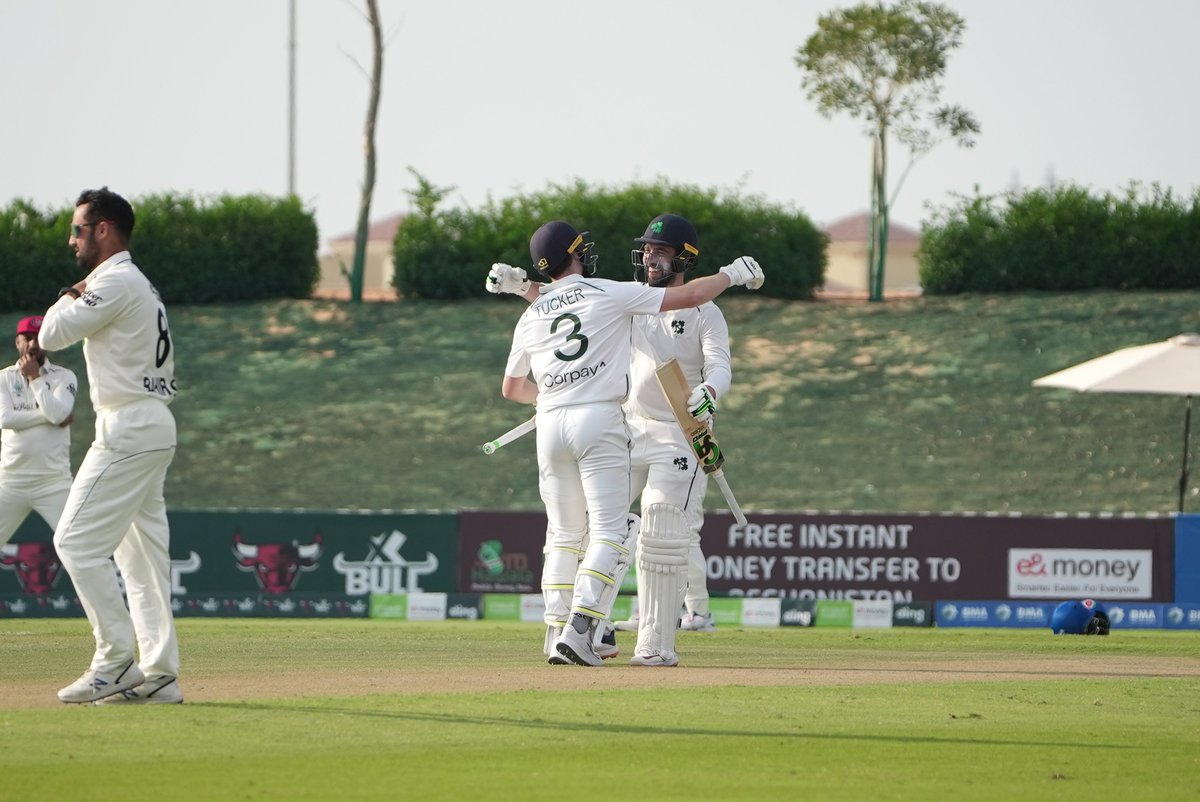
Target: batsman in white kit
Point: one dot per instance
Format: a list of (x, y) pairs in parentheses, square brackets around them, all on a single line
[(665, 472), (37, 405), (116, 508), (575, 339)]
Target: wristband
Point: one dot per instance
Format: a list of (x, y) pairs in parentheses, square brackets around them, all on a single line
[(69, 291)]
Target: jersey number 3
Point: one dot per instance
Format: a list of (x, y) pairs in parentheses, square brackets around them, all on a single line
[(573, 335)]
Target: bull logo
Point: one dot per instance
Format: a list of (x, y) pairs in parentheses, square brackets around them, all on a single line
[(35, 564), (277, 566), (385, 569)]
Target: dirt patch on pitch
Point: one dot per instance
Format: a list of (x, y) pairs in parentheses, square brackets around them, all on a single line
[(235, 687)]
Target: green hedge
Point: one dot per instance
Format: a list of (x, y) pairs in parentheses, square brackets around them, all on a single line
[(1063, 239), (445, 254), (229, 248)]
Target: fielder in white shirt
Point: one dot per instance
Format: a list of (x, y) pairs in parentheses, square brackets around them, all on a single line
[(37, 405), (575, 339), (116, 508)]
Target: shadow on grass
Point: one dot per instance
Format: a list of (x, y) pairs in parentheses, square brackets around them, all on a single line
[(635, 729)]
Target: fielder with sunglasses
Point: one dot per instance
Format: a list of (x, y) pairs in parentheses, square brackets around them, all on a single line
[(115, 511)]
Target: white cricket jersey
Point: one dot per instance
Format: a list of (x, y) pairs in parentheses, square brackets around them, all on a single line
[(127, 343), (32, 442), (576, 339), (698, 337)]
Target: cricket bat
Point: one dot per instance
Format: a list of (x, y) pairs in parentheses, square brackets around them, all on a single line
[(512, 434), (704, 443)]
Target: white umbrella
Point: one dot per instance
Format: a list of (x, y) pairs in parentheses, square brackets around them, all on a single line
[(1171, 367)]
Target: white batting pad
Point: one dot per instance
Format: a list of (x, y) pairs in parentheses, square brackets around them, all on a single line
[(662, 569), (602, 570), (558, 584)]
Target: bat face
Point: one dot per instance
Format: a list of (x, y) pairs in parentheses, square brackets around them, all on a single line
[(708, 451), (674, 386)]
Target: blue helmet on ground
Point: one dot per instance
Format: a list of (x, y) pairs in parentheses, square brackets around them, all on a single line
[(1087, 617)]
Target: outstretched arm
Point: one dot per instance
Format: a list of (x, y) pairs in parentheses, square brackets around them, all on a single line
[(741, 271)]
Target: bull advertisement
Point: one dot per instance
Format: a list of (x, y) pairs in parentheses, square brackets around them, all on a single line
[(909, 558), (260, 563)]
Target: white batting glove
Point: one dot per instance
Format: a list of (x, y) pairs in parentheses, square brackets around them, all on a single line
[(504, 278), (701, 404), (745, 271)]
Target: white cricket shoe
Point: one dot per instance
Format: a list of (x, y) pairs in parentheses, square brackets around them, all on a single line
[(552, 656), (576, 646), (161, 689), (607, 648), (654, 658), (95, 685), (698, 622), (629, 625)]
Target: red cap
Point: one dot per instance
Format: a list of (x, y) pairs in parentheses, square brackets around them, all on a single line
[(30, 325)]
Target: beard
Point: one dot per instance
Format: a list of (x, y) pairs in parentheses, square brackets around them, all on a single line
[(664, 279), (85, 260)]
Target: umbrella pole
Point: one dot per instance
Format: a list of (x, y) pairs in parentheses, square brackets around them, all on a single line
[(1187, 425)]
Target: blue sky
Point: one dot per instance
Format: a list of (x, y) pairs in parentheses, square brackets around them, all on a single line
[(499, 98)]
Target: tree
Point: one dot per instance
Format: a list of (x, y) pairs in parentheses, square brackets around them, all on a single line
[(883, 65), (368, 187)]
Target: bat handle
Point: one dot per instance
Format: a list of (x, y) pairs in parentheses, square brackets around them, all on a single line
[(490, 448), (727, 492)]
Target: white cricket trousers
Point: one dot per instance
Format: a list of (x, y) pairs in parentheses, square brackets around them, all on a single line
[(21, 494), (116, 509), (583, 477), (665, 469)]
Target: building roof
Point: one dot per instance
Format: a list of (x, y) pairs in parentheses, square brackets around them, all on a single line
[(382, 229), (856, 228)]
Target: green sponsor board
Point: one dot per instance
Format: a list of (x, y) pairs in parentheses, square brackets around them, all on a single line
[(389, 605), (260, 605), (284, 552), (726, 610), (45, 605), (622, 608), (834, 613), (501, 607)]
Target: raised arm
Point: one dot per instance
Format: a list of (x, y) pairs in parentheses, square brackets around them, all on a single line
[(741, 271)]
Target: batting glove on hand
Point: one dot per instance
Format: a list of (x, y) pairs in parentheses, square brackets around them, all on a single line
[(504, 278), (744, 270), (701, 404)]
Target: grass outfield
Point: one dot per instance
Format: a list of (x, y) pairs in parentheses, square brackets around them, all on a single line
[(318, 710), (909, 405)]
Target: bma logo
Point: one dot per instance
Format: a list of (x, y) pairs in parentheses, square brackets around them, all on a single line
[(949, 612), (384, 570), (1178, 615), (1030, 614), (35, 564), (974, 613), (1003, 612), (277, 566)]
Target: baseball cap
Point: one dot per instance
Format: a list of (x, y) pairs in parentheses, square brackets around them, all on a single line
[(30, 325), (551, 244)]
